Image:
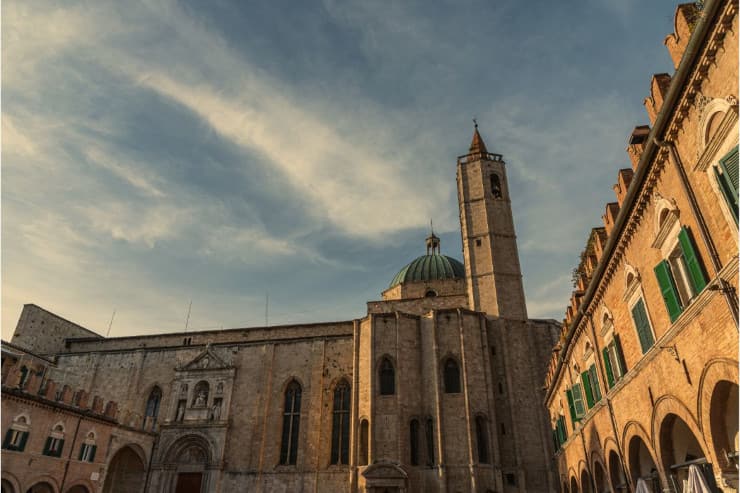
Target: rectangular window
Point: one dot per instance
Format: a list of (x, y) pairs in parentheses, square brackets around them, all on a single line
[(87, 452), (15, 440), (642, 324), (578, 405), (53, 447), (614, 361), (695, 269)]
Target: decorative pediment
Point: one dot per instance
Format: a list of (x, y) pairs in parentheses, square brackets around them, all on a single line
[(207, 360), (384, 470)]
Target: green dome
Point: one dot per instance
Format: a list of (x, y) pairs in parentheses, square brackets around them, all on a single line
[(429, 268)]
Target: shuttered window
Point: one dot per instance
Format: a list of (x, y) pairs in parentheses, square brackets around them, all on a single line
[(614, 361), (53, 447), (594, 382), (608, 367), (693, 264), (642, 324), (669, 292), (729, 167), (575, 402), (15, 440)]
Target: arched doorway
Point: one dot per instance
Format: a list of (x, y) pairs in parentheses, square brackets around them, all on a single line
[(679, 450), (600, 478), (642, 466), (78, 489), (616, 473), (42, 487), (126, 473), (723, 423), (7, 487), (585, 482), (187, 464), (573, 485)]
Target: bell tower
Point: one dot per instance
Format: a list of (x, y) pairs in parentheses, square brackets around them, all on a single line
[(492, 271)]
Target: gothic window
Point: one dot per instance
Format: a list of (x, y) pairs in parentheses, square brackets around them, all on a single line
[(55, 442), (200, 394), (291, 422), (451, 376), (430, 441), (340, 425), (88, 448), (152, 407), (414, 437), (17, 434), (495, 186), (364, 442), (481, 433), (387, 377)]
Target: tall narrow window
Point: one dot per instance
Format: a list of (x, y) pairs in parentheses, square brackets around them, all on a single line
[(340, 425), (17, 434), (414, 439), (642, 324), (152, 408), (88, 448), (481, 433), (54, 442), (430, 441), (591, 386), (364, 442), (681, 276), (614, 361), (495, 186), (387, 378), (291, 421), (451, 377)]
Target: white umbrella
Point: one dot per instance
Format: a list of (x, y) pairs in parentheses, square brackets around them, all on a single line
[(697, 483), (642, 486)]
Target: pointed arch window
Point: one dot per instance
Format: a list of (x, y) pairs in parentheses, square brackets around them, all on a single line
[(55, 442), (414, 438), (152, 408), (451, 377), (387, 377), (481, 433), (340, 424), (291, 423)]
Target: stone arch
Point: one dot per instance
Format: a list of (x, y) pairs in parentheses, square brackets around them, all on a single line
[(640, 461), (573, 484), (665, 407), (10, 482), (452, 373), (664, 208), (189, 460), (606, 314), (678, 444), (176, 450), (80, 486), (718, 388), (615, 470), (715, 109), (43, 484), (631, 274), (126, 470), (586, 481)]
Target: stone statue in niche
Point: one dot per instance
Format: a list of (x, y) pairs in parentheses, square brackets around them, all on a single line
[(184, 389), (216, 410), (201, 394), (200, 400), (220, 388), (204, 362)]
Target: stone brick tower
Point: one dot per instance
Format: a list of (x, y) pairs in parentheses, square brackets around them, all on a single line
[(494, 278)]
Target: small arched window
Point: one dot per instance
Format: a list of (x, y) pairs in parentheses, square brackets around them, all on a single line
[(17, 434), (291, 423), (340, 425), (481, 433), (364, 442), (414, 438), (55, 441), (451, 377), (88, 448), (429, 432), (387, 377), (496, 186), (430, 293)]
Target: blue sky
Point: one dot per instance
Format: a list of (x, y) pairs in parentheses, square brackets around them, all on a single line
[(159, 152)]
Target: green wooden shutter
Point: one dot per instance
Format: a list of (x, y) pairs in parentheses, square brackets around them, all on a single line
[(562, 430), (578, 404), (696, 270), (729, 165), (82, 451), (571, 406), (729, 193), (47, 446), (608, 367), (22, 444), (620, 355), (60, 447), (668, 289), (586, 380), (594, 381), (92, 453), (643, 326)]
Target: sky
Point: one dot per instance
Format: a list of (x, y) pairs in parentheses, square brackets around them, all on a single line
[(158, 153)]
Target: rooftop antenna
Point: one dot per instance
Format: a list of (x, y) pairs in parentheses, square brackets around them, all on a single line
[(110, 324), (475, 122), (187, 319)]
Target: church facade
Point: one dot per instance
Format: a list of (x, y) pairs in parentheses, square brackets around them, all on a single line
[(438, 388)]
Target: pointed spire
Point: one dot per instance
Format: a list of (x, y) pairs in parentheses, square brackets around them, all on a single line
[(477, 145)]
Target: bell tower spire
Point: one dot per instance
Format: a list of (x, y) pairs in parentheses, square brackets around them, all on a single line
[(492, 271), (432, 241)]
